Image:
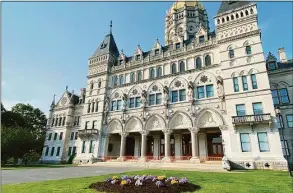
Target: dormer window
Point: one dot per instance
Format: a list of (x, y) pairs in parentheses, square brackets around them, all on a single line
[(177, 46), (120, 62), (137, 57), (272, 65), (157, 52), (201, 39)]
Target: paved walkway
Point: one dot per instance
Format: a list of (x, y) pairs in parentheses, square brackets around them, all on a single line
[(43, 174)]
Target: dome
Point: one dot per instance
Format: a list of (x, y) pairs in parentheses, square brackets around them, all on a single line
[(181, 3)]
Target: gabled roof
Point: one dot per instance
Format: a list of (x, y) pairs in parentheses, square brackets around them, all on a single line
[(230, 5), (107, 46)]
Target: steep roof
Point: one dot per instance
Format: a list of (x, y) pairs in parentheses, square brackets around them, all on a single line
[(107, 46), (230, 5)]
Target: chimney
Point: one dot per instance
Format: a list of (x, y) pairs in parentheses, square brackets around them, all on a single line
[(282, 54)]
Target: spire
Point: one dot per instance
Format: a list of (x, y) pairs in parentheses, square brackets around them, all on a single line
[(66, 88), (53, 101), (111, 27), (230, 5)]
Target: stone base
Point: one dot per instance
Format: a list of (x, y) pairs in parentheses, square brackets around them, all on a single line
[(194, 160), (121, 159), (142, 159), (166, 159)]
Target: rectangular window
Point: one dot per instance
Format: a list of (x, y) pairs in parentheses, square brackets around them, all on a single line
[(94, 124), (263, 142), (63, 121), (210, 91), (151, 99), (74, 150), (245, 142), (158, 98), (177, 46), (284, 98), (69, 151), (47, 151), (119, 104), (78, 118), (114, 106), (200, 92), (236, 85), (174, 96), (58, 151), (131, 103), (137, 57), (61, 136), (71, 135), (83, 147), (257, 108), (285, 148), (52, 151), (248, 50), (289, 120), (86, 125), (56, 121), (91, 146), (272, 65), (240, 110), (182, 95), (253, 81), (201, 39), (75, 121), (157, 52), (244, 83), (76, 135), (231, 53), (50, 136), (275, 97), (137, 102), (55, 136)]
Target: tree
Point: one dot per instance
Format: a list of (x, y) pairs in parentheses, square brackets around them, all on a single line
[(31, 157), (11, 119)]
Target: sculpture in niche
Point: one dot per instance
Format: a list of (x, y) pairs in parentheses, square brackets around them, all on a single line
[(134, 92), (156, 124), (207, 120), (220, 88), (190, 91), (166, 95), (144, 98), (107, 101), (124, 101)]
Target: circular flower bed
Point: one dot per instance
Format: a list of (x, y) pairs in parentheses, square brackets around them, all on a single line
[(145, 184)]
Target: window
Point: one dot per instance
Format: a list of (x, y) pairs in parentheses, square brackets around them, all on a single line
[(157, 52), (61, 136), (55, 136), (152, 73), (134, 102), (76, 135), (75, 121), (245, 142), (231, 53), (200, 92), (178, 95), (97, 107), (137, 102), (289, 120), (201, 39), (152, 99), (159, 72), (285, 148), (207, 60), (253, 81), (240, 110), (174, 96), (284, 98), (52, 151), (69, 151), (89, 108), (115, 80), (237, 16), (91, 150), (52, 124), (116, 105), (246, 12), (86, 124), (47, 151), (275, 97), (236, 85), (56, 122), (272, 65), (58, 151), (241, 14), (198, 63), (131, 103), (181, 66), (137, 57), (50, 136), (248, 50), (280, 121), (244, 83), (60, 121), (91, 86), (119, 104), (182, 95), (155, 99), (99, 84), (94, 124), (139, 76), (263, 142), (83, 147), (257, 108), (71, 135), (78, 118), (209, 91), (74, 150), (177, 46), (121, 80), (93, 106), (173, 68)]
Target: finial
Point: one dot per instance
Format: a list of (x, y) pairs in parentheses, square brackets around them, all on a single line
[(121, 51), (66, 88), (157, 39), (53, 101), (111, 27)]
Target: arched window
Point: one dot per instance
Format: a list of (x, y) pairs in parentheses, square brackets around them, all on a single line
[(227, 18), (173, 68), (198, 63), (93, 107), (121, 80), (246, 12), (152, 73), (159, 71), (223, 20), (99, 84), (115, 80), (207, 60), (237, 16), (241, 14), (232, 17), (251, 11), (132, 77), (231, 53), (218, 21), (181, 67), (91, 85), (139, 76), (248, 50)]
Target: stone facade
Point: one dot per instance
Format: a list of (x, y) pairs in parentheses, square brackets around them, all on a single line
[(202, 96)]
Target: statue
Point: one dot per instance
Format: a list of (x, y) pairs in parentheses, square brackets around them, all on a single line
[(220, 88), (166, 95), (106, 105), (190, 92), (226, 164), (124, 101), (144, 98)]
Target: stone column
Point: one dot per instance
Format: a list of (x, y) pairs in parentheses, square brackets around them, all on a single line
[(194, 145), (178, 145), (122, 146), (104, 149), (143, 157), (167, 145), (157, 139), (136, 146)]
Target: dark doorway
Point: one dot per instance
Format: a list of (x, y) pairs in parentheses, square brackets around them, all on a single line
[(150, 146), (129, 146), (215, 147), (186, 145)]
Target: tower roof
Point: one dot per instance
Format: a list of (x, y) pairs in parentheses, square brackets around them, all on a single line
[(182, 3), (230, 5), (107, 46)]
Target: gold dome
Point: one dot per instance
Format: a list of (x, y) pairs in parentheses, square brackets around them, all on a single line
[(181, 3)]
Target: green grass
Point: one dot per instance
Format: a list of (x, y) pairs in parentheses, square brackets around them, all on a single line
[(248, 181), (19, 167)]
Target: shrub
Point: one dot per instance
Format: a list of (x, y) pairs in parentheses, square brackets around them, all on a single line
[(31, 157)]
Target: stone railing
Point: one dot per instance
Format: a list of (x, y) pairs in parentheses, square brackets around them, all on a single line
[(88, 133), (251, 119)]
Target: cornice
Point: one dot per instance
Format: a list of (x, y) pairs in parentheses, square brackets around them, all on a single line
[(240, 36)]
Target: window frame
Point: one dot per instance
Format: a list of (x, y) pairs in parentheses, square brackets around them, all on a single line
[(173, 68), (212, 91), (202, 92), (236, 84), (289, 121), (259, 142), (253, 81), (245, 142), (58, 151), (181, 66), (248, 50), (255, 110), (231, 53), (83, 148), (244, 83), (285, 148), (239, 112), (198, 63)]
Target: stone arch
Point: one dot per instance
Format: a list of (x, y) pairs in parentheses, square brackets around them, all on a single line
[(133, 124), (180, 120), (274, 85), (178, 83), (247, 43), (207, 118), (231, 47), (155, 87), (117, 94), (243, 73), (253, 71), (211, 78), (234, 74), (155, 122), (115, 126), (283, 84), (135, 91)]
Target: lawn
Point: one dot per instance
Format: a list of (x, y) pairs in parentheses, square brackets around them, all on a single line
[(243, 181), (18, 167)]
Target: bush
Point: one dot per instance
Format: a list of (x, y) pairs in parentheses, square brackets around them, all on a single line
[(31, 157), (71, 158)]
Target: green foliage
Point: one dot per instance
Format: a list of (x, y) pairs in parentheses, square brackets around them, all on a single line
[(31, 157), (71, 158)]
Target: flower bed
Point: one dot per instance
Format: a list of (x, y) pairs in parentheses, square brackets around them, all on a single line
[(145, 184)]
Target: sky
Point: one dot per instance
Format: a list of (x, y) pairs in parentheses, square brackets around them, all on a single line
[(46, 45)]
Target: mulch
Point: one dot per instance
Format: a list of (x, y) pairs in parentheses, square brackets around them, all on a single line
[(147, 187)]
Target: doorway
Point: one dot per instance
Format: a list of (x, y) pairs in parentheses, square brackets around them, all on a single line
[(215, 147), (130, 142)]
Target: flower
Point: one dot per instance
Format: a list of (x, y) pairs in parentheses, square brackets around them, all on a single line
[(159, 184), (108, 180), (138, 183), (128, 181), (161, 177), (123, 182), (149, 177), (115, 177), (124, 177), (174, 182), (154, 179), (168, 180), (135, 177), (183, 181), (174, 178), (114, 181)]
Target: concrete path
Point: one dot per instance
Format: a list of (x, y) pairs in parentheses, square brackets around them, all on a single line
[(43, 174)]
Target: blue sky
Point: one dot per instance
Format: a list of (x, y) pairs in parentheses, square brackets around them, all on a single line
[(45, 45)]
